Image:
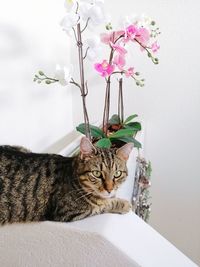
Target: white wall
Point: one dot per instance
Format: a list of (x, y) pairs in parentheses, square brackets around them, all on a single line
[(170, 106), (36, 116), (31, 39)]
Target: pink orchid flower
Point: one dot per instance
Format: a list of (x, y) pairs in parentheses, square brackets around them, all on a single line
[(143, 36), (130, 33), (155, 47), (119, 61), (118, 48), (129, 72), (111, 37), (104, 68)]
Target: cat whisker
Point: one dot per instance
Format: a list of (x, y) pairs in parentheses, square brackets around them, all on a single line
[(76, 190), (87, 194)]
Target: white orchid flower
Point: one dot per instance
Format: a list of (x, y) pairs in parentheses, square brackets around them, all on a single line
[(93, 42), (70, 20), (69, 4), (98, 1), (94, 48), (95, 12), (92, 2), (86, 1), (94, 54), (63, 75), (141, 21), (82, 10)]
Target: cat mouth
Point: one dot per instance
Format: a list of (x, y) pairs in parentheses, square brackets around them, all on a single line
[(107, 195)]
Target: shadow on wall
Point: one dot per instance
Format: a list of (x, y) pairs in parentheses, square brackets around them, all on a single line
[(12, 47), (30, 115), (12, 42)]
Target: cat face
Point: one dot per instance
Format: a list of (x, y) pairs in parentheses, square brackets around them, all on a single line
[(102, 171)]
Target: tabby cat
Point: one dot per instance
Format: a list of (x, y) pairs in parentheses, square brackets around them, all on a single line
[(38, 187)]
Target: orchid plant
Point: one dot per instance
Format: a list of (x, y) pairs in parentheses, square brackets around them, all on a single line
[(135, 31)]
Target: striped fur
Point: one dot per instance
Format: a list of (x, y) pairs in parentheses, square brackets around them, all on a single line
[(38, 187)]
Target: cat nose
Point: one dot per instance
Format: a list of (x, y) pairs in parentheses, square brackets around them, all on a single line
[(108, 186), (109, 190)]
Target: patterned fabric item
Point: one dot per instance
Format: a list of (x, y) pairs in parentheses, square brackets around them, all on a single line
[(140, 199)]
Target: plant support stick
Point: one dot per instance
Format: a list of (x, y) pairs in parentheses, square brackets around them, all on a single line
[(82, 79), (121, 102)]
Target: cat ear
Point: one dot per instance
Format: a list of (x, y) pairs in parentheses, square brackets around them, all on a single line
[(124, 151), (86, 147)]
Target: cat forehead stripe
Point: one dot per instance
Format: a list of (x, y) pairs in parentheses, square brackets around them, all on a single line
[(107, 157)]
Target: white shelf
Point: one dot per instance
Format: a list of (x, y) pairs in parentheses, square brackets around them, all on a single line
[(108, 240)]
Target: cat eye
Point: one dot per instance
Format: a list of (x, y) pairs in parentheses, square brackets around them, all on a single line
[(117, 174), (97, 174)]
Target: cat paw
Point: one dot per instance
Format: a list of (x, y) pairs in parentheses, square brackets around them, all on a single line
[(125, 206)]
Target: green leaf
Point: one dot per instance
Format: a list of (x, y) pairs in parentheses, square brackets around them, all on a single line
[(134, 126), (122, 133), (95, 131), (130, 118), (104, 143), (114, 119), (129, 139)]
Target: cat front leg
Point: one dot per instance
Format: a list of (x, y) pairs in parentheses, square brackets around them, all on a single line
[(117, 205), (113, 205)]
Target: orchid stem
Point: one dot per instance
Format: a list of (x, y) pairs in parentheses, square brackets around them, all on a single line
[(107, 98), (121, 102), (75, 83), (86, 53), (106, 107), (77, 7), (83, 86), (85, 25), (75, 34)]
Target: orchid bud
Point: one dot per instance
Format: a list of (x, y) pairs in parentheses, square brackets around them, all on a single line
[(41, 73), (48, 82)]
